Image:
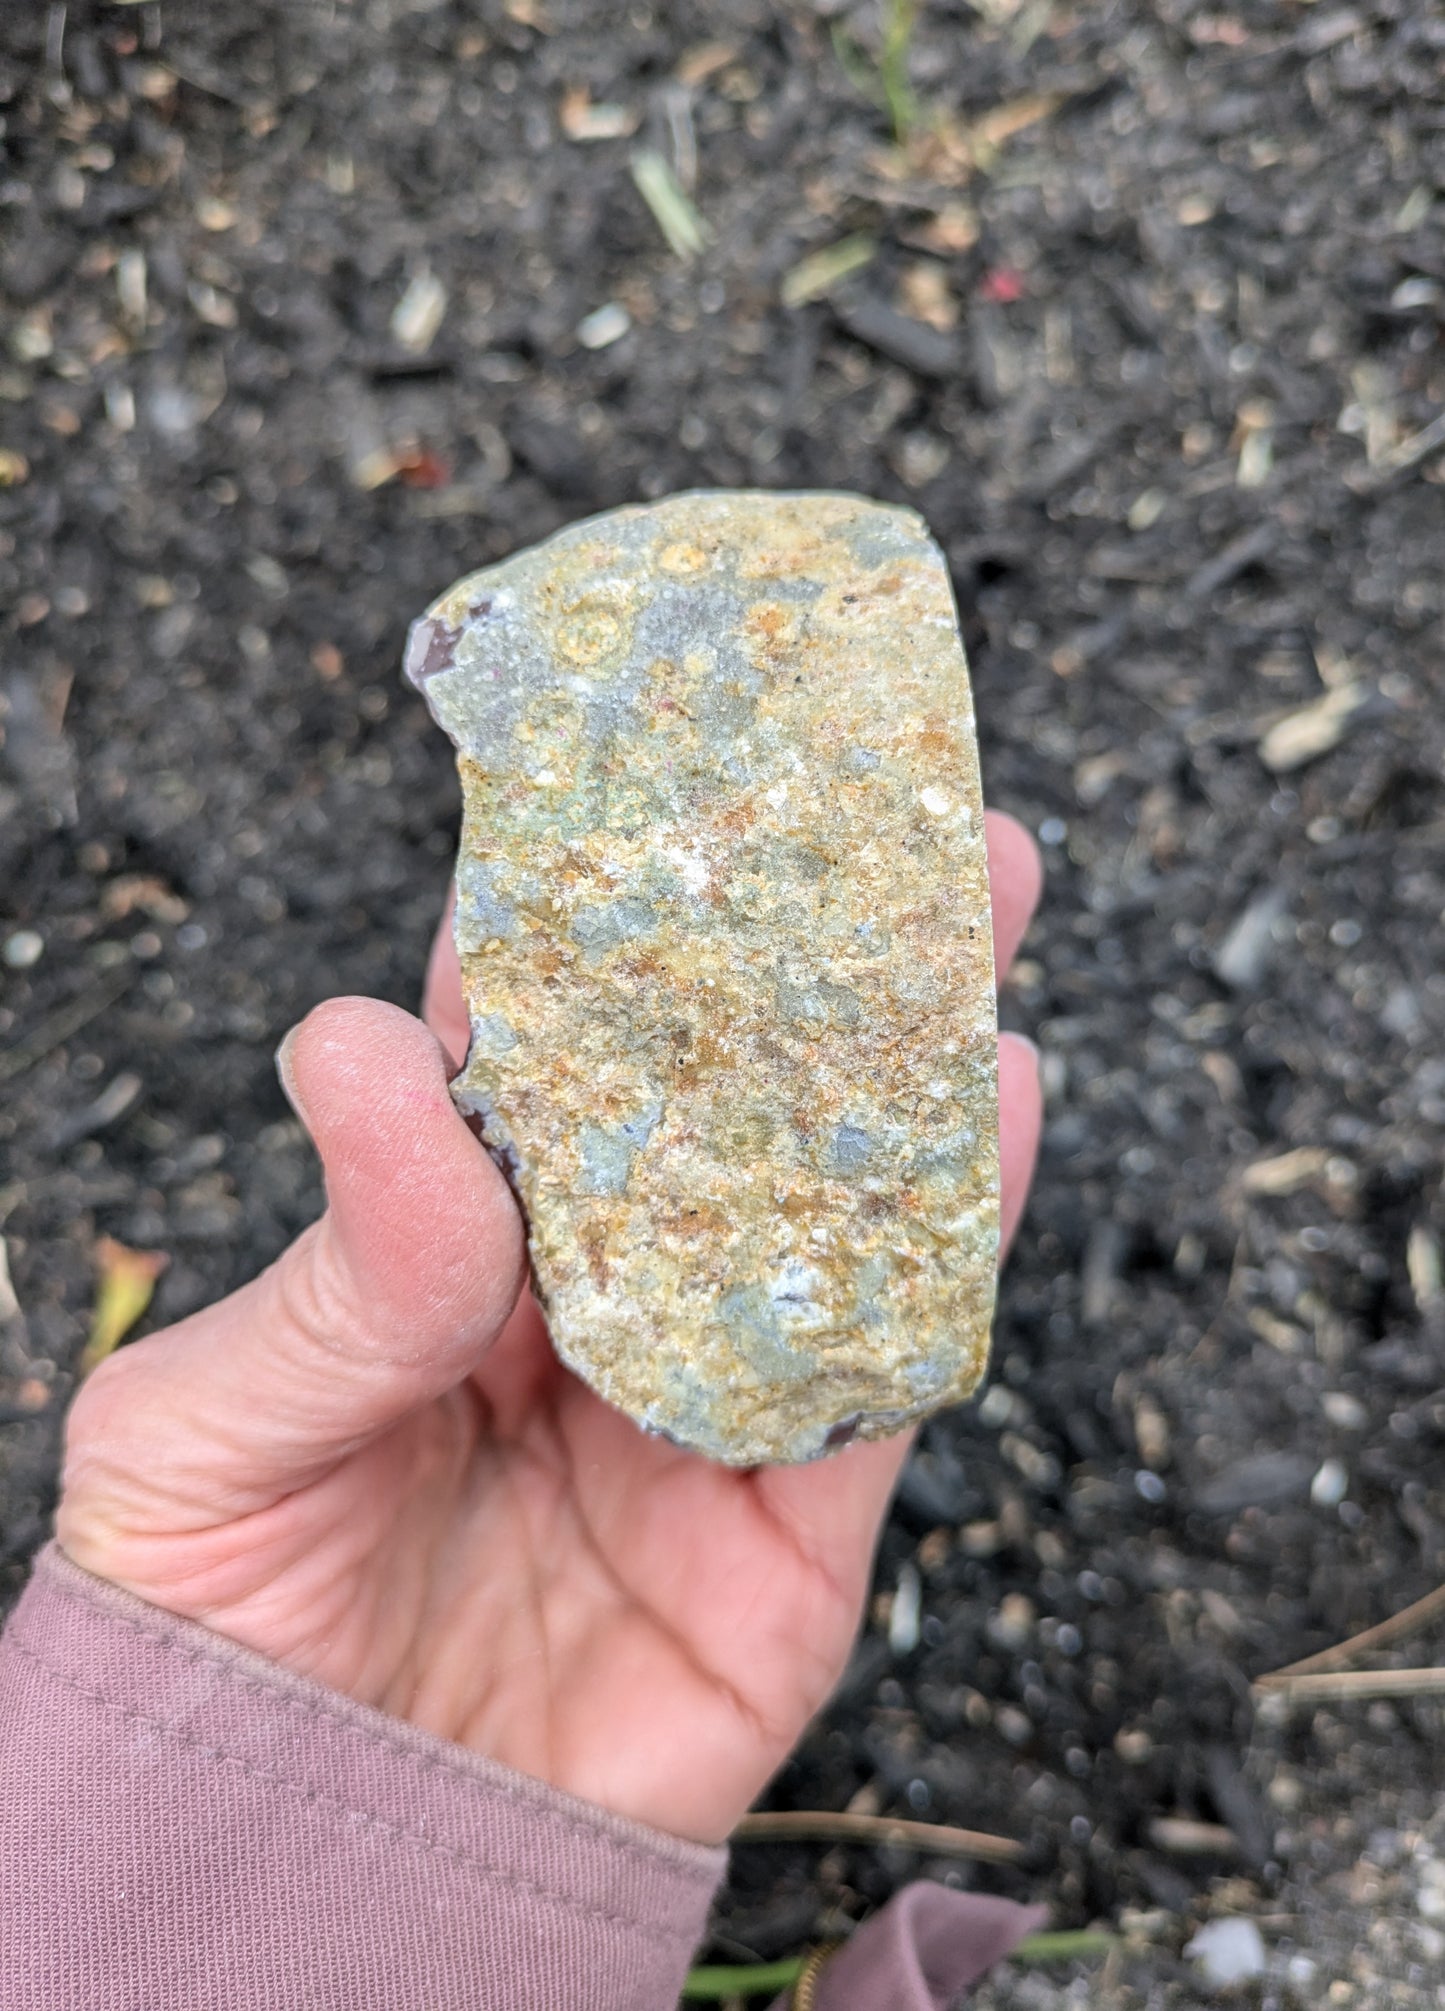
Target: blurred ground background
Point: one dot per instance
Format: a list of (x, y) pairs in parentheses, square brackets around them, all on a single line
[(309, 308)]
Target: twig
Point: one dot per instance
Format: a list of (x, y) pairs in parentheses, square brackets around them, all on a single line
[(823, 1826), (1409, 1620), (62, 1023), (1350, 1685)]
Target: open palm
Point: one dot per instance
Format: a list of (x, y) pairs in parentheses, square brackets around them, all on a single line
[(369, 1465)]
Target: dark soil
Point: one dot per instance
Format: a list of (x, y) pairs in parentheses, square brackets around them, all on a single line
[(1175, 443)]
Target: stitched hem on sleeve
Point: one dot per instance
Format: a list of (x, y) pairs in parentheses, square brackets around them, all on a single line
[(188, 1823), (180, 1681)]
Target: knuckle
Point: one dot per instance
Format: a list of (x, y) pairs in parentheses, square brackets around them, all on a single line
[(318, 1308)]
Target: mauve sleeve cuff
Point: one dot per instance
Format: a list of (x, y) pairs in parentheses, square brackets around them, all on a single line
[(922, 1951), (185, 1823)]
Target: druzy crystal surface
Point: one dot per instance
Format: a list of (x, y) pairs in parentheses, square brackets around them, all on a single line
[(723, 919)]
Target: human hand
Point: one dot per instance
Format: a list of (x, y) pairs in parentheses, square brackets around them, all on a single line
[(369, 1465)]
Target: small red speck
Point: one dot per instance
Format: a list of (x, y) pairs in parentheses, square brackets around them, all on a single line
[(1004, 285), (424, 470)]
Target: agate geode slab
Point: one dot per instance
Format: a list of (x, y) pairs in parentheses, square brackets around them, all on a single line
[(723, 919)]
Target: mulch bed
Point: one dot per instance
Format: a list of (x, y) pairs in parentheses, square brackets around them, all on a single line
[(1151, 333)]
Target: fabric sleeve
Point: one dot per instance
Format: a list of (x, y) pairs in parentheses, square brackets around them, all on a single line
[(922, 1951), (185, 1823)]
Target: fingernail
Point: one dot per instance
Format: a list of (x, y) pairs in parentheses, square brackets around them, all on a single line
[(286, 1073)]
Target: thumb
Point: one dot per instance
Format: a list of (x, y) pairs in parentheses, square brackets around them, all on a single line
[(419, 1253), (387, 1302)]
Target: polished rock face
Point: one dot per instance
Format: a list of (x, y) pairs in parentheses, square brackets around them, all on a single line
[(723, 919)]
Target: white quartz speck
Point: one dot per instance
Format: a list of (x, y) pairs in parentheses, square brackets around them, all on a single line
[(1228, 1951), (694, 871)]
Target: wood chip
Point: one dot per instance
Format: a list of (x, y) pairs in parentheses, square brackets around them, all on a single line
[(581, 120), (9, 1304), (990, 132), (704, 61), (419, 313), (1181, 1836), (1423, 1267), (1305, 735), (1286, 1174), (954, 229)]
